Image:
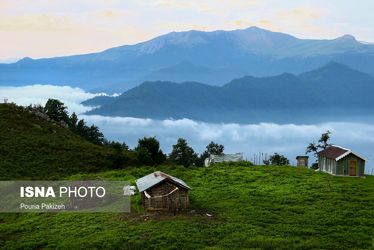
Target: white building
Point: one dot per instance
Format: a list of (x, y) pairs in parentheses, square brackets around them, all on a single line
[(223, 158)]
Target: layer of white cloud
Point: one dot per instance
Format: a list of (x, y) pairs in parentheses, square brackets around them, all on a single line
[(39, 94)]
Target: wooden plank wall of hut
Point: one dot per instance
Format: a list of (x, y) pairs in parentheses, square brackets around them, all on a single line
[(177, 200)]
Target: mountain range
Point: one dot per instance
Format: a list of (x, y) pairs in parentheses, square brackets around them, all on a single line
[(332, 92), (210, 57)]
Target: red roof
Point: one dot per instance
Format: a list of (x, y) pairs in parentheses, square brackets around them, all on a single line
[(333, 152)]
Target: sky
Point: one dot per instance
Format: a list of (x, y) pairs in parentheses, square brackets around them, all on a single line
[(47, 28)]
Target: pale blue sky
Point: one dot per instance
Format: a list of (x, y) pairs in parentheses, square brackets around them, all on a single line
[(44, 28)]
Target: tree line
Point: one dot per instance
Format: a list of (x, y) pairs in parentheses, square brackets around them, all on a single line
[(147, 152)]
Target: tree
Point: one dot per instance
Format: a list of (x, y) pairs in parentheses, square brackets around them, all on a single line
[(277, 160), (118, 157), (149, 152), (322, 144), (144, 157), (182, 154), (323, 141), (81, 128), (56, 111), (315, 148), (214, 148), (94, 135), (117, 145), (211, 149), (91, 133), (124, 146), (73, 120)]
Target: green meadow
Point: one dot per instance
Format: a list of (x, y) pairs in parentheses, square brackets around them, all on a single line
[(251, 208)]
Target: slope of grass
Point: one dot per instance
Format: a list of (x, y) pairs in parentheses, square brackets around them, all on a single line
[(251, 207), (32, 147)]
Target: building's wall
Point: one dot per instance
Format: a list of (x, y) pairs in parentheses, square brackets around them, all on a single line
[(223, 158), (302, 162), (327, 165), (178, 200), (343, 165)]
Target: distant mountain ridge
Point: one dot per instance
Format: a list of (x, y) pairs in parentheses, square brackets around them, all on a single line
[(334, 91), (211, 57)]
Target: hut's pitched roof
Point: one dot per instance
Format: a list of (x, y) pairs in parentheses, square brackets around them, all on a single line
[(336, 153), (155, 178)]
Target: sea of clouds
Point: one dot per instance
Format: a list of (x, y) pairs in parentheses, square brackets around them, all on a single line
[(288, 139), (39, 94)]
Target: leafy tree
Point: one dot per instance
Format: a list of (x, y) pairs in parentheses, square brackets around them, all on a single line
[(149, 152), (56, 110), (73, 120), (124, 146), (91, 133), (114, 144), (322, 144), (324, 140), (315, 148), (81, 128), (277, 160), (214, 148), (94, 135), (182, 154), (118, 157), (144, 157)]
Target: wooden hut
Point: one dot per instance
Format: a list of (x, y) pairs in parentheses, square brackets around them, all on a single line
[(163, 192), (340, 161), (302, 161)]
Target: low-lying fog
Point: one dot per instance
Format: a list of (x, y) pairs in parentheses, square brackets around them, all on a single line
[(288, 139)]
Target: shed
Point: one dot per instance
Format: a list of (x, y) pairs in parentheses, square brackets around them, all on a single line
[(163, 192), (302, 161), (341, 161)]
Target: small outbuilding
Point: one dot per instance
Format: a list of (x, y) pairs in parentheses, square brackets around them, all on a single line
[(341, 161), (302, 161), (163, 192)]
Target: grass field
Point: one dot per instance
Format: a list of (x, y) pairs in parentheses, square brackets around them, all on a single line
[(251, 207)]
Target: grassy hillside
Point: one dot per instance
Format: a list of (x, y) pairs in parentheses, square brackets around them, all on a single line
[(251, 207), (32, 147)]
